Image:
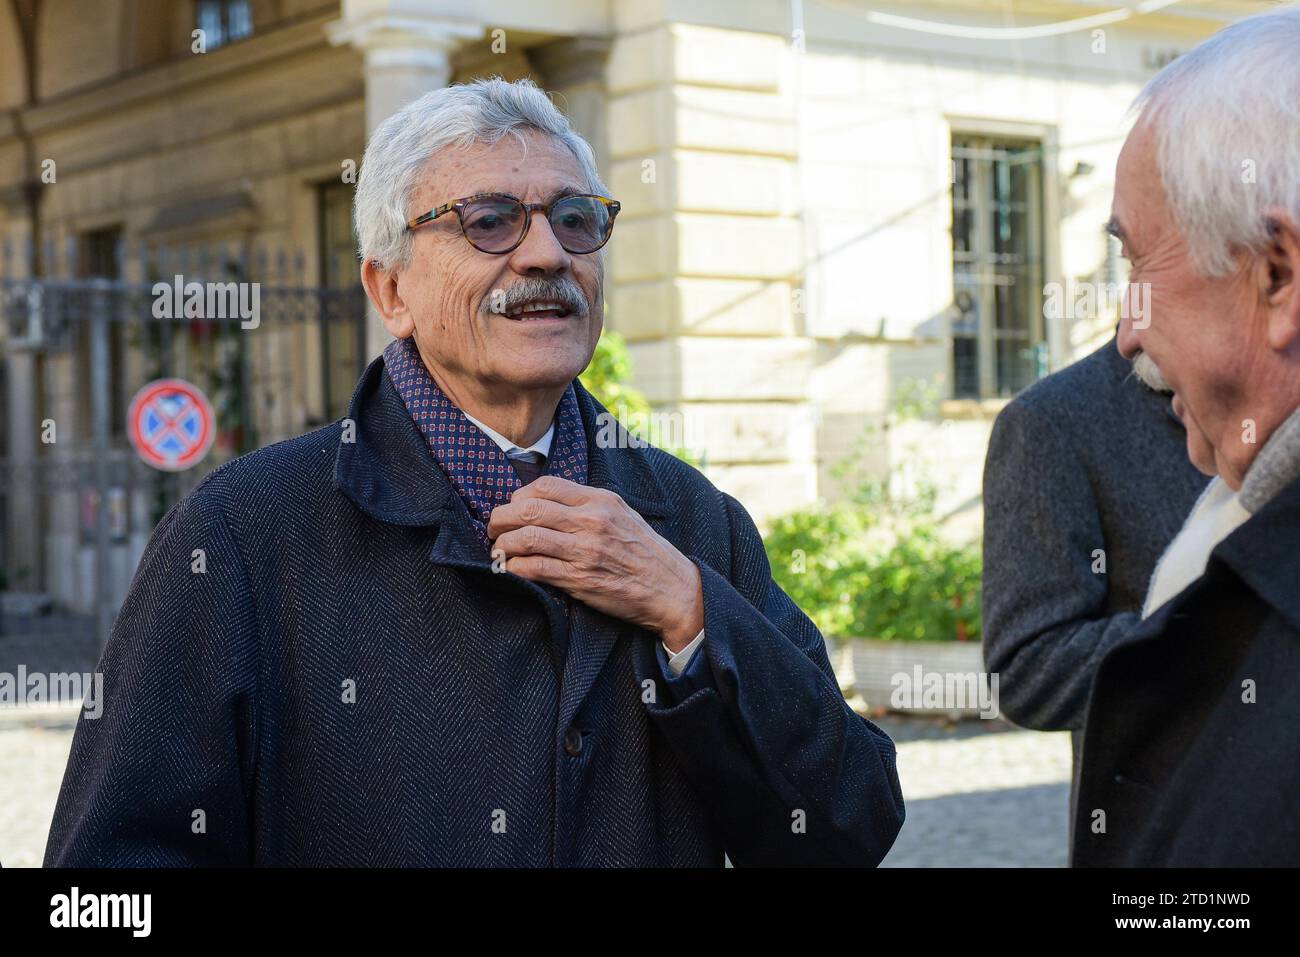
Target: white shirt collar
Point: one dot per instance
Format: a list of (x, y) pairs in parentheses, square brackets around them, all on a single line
[(542, 445)]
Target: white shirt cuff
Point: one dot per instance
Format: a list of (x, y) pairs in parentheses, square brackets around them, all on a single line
[(677, 662)]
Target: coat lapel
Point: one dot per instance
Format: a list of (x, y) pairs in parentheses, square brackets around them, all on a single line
[(388, 471), (383, 464), (613, 463)]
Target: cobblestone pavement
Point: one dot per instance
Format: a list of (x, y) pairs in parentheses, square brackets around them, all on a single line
[(980, 794), (34, 745), (35, 739)]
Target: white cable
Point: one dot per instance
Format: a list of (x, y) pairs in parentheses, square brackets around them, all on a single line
[(1017, 33)]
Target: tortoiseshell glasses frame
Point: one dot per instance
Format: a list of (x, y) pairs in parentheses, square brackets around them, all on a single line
[(496, 223)]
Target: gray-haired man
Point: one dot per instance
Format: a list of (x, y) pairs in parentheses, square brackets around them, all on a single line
[(1192, 741)]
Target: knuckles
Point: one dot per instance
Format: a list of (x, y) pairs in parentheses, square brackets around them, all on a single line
[(530, 537), (590, 554)]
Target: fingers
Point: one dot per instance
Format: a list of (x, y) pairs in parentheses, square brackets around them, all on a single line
[(557, 489), (534, 511), (554, 531), (542, 568), (536, 540)]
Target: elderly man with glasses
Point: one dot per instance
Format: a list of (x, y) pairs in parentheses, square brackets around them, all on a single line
[(461, 626)]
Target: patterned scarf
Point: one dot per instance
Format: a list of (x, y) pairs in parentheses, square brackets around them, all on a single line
[(476, 466)]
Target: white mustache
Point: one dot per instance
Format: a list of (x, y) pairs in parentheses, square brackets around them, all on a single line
[(1145, 368), (567, 293)]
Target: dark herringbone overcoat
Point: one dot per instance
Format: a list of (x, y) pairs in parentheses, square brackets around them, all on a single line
[(316, 665)]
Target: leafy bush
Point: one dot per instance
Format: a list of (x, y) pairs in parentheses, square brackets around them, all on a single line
[(607, 377), (875, 565), (852, 581), (922, 589), (608, 374)]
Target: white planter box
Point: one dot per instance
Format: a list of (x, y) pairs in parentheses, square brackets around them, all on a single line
[(867, 670)]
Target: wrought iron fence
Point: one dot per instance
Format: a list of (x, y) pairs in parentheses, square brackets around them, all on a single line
[(276, 353)]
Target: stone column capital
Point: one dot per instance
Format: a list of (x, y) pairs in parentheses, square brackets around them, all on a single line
[(407, 54), (402, 39), (573, 61)]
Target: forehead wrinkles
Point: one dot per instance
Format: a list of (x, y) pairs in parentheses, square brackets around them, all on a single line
[(546, 164)]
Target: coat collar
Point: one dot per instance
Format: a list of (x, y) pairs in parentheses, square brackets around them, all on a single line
[(388, 471), (1262, 552), (473, 461)]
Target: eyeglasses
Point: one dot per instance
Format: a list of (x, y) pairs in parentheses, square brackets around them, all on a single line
[(497, 223)]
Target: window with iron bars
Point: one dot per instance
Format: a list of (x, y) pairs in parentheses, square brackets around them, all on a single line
[(998, 344)]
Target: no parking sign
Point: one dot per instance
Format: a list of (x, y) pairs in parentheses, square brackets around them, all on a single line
[(171, 424)]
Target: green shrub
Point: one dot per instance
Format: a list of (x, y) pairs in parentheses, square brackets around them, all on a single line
[(875, 564), (922, 589), (607, 377), (855, 582)]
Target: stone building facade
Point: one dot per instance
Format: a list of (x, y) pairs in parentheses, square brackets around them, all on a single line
[(825, 203)]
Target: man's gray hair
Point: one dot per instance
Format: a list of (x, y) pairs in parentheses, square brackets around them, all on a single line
[(483, 111), (1227, 120)]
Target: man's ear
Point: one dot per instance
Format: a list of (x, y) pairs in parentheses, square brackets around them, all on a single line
[(381, 287), (1280, 280)]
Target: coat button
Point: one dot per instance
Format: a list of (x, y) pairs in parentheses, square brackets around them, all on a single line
[(573, 742)]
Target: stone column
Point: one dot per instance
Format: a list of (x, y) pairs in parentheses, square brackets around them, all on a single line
[(706, 284), (406, 56), (22, 494), (574, 68)]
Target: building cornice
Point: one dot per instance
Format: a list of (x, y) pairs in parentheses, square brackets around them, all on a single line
[(166, 80)]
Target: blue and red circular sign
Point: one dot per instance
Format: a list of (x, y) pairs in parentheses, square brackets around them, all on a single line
[(171, 424)]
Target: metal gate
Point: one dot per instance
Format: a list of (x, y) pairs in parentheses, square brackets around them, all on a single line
[(275, 355)]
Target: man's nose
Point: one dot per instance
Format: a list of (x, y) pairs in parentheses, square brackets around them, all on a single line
[(540, 251)]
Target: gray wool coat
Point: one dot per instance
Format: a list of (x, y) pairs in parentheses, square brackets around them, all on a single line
[(1086, 469)]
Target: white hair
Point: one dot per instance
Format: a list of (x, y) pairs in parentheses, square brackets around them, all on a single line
[(483, 111), (1227, 122)]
